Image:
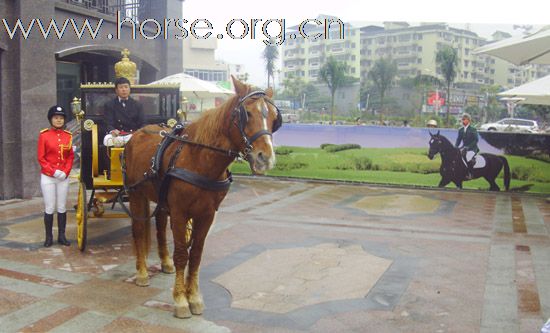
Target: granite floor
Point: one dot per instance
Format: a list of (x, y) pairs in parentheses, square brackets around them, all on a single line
[(291, 256)]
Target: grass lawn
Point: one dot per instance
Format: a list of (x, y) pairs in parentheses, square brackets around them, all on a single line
[(396, 166)]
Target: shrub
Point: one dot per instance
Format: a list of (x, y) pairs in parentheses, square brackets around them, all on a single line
[(283, 150), (324, 145), (335, 148), (362, 163), (521, 172), (289, 165)]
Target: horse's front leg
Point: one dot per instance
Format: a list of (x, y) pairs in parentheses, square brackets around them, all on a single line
[(201, 226), (139, 206), (178, 222), (166, 264)]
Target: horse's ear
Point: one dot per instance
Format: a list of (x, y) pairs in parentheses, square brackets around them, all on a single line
[(438, 133), (430, 133), (269, 92), (241, 89)]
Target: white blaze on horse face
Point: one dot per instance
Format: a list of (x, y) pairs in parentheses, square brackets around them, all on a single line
[(267, 160)]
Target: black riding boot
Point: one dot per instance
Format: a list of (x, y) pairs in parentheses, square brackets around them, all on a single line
[(48, 224), (470, 169), (61, 223)]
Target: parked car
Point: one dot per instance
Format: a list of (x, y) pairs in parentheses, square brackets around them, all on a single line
[(512, 125)]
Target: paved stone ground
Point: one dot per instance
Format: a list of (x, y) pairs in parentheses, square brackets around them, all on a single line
[(289, 256)]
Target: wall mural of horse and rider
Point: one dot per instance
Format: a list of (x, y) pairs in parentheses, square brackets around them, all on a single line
[(186, 173), (455, 169)]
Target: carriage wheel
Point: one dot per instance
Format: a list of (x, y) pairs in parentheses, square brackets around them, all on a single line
[(81, 217)]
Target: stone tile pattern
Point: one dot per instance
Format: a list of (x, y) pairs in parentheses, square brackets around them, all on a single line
[(299, 257)]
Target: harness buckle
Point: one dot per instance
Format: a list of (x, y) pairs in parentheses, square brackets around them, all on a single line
[(244, 154)]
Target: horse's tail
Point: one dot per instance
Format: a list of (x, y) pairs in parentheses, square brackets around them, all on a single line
[(506, 172)]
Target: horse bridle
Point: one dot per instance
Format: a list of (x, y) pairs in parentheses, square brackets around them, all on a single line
[(240, 115)]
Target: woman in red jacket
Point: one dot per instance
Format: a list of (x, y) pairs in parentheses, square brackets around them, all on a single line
[(55, 155)]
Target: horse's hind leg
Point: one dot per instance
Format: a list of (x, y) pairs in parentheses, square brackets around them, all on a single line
[(166, 264), (139, 206), (200, 230), (178, 222), (444, 182), (493, 184)]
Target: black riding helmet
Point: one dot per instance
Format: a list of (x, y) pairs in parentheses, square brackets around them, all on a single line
[(56, 110)]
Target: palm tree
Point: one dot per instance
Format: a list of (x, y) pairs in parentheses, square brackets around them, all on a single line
[(270, 55), (333, 73), (382, 75), (447, 58)]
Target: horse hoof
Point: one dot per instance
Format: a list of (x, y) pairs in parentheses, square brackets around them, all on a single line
[(182, 312), (168, 269), (142, 281), (196, 308)]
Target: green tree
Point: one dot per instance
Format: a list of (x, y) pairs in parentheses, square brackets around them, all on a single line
[(293, 88), (541, 111), (270, 55), (382, 74), (447, 59), (333, 74), (492, 107)]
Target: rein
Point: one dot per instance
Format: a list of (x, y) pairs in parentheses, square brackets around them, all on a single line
[(227, 152)]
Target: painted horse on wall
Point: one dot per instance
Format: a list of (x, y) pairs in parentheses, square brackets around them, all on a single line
[(453, 167)]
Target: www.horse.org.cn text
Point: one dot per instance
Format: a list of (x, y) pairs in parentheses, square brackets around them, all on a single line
[(270, 31)]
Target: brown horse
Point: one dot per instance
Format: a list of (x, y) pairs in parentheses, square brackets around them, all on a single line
[(246, 118)]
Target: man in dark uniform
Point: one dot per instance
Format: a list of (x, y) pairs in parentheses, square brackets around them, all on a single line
[(469, 137), (123, 115)]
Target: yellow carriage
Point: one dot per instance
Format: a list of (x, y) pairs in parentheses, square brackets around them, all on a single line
[(100, 178)]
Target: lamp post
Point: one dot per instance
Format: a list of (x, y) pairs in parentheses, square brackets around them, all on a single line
[(76, 109)]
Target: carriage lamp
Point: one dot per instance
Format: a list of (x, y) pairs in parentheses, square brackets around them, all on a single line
[(76, 108)]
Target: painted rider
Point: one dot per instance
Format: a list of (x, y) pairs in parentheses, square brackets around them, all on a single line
[(469, 138), (123, 115), (55, 155)]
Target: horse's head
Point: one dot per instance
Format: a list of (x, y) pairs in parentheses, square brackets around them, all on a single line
[(255, 118), (436, 145)]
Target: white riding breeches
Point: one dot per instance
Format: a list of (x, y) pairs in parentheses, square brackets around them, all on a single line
[(118, 141), (55, 193), (469, 155)]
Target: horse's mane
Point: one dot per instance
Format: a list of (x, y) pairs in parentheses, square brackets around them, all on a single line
[(445, 140), (210, 126)]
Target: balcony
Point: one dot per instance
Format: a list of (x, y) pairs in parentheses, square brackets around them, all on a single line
[(136, 10)]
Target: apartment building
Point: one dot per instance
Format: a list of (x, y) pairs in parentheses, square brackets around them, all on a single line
[(303, 57), (414, 49), (199, 60)]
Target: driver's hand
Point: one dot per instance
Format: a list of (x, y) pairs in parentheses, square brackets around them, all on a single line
[(115, 133)]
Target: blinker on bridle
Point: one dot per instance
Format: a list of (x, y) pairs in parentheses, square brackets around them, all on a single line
[(241, 113)]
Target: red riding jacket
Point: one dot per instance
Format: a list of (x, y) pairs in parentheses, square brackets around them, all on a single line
[(55, 151)]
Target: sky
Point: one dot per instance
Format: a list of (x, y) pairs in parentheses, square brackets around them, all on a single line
[(483, 16)]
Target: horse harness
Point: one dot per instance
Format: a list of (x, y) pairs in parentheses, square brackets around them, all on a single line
[(239, 118)]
